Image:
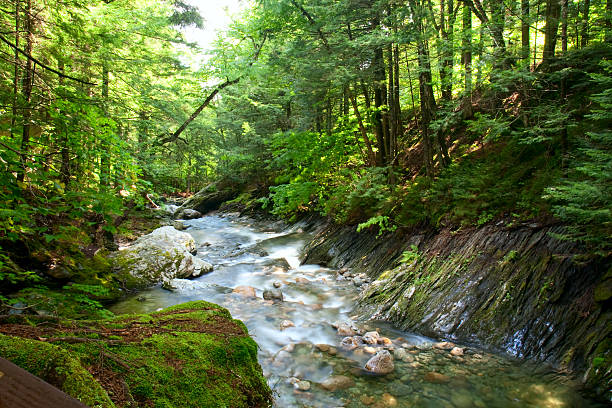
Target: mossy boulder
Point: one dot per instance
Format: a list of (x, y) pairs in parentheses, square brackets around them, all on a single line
[(206, 200), (158, 257), (190, 355)]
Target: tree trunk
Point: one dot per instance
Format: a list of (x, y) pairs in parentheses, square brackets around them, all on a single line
[(362, 129), (584, 33), (553, 12), (428, 102), (27, 92), (525, 31), (16, 73), (379, 100), (467, 58), (105, 160)]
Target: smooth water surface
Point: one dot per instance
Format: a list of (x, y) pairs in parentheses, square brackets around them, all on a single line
[(297, 360)]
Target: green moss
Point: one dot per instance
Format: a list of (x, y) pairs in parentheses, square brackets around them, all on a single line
[(57, 366), (190, 355)]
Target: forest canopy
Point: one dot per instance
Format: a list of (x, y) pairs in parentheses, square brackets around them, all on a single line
[(394, 114)]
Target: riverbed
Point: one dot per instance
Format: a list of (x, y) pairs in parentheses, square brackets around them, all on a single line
[(300, 349)]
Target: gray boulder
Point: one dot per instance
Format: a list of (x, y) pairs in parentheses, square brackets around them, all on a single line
[(381, 363), (208, 199), (158, 257), (187, 214)]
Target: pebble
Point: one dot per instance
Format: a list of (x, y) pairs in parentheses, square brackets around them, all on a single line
[(457, 351), (389, 400), (444, 345), (285, 324), (337, 382), (302, 385), (366, 399), (322, 347), (436, 378), (344, 329), (277, 284), (246, 291), (381, 363)]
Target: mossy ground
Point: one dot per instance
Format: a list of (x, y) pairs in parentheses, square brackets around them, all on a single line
[(191, 355)]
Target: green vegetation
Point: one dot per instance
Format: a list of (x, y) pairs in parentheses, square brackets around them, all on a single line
[(194, 353)]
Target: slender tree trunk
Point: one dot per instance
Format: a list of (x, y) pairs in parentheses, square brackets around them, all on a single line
[(428, 102), (564, 26), (105, 160), (535, 39), (525, 31), (391, 114), (608, 34), (16, 73), (467, 58), (362, 129), (553, 12), (479, 52), (399, 127), (65, 150), (584, 33), (379, 101), (27, 92)]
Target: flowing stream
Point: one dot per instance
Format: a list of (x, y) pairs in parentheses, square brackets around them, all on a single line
[(300, 351)]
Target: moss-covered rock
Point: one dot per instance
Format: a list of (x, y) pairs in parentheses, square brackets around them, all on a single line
[(190, 355), (158, 257)]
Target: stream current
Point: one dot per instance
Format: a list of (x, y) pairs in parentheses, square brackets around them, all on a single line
[(300, 350)]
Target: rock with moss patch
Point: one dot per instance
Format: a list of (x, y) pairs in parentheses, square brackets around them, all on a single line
[(190, 355), (158, 257)]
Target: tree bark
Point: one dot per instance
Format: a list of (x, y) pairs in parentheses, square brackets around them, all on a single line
[(362, 129), (553, 12), (584, 33), (27, 92), (16, 73), (467, 58), (525, 31), (105, 160)]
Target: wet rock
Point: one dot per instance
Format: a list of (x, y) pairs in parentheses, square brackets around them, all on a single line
[(332, 351), (344, 329), (462, 400), (337, 382), (301, 280), (187, 214), (247, 291), (381, 363), (358, 281), (273, 294), (370, 350), (285, 324), (277, 284), (367, 400), (158, 257), (349, 343), (302, 385), (444, 345), (436, 378), (342, 271), (388, 400), (371, 337), (457, 351), (385, 341), (276, 265), (141, 299), (400, 389), (402, 354), (289, 348), (322, 347), (179, 225)]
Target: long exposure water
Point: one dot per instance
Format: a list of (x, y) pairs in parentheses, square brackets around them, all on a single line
[(301, 352)]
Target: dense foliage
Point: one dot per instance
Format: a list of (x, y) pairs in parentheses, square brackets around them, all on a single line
[(392, 114)]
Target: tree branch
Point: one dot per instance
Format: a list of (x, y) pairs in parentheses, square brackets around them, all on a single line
[(48, 68), (173, 137)]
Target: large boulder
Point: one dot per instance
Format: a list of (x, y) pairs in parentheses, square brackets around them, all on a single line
[(206, 200), (187, 214), (159, 257)]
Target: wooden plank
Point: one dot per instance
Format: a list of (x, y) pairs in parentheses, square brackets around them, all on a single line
[(20, 389)]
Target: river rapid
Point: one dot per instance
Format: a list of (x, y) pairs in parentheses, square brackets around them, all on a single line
[(301, 351)]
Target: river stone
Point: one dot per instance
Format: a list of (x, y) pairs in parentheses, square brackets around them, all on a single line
[(187, 214), (179, 225), (402, 354), (273, 294), (302, 385), (457, 351), (247, 291), (337, 382), (444, 345), (436, 378), (285, 324), (277, 284), (462, 400), (345, 329), (389, 400), (371, 337), (158, 257), (349, 343), (381, 363)]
